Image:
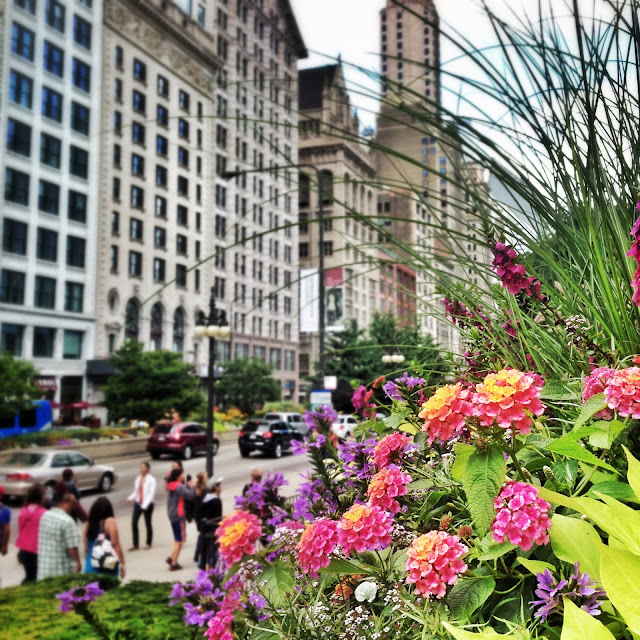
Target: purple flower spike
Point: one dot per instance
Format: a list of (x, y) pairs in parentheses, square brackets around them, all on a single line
[(77, 595)]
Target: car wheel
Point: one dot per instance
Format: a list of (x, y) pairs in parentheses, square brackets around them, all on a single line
[(155, 455), (187, 453), (214, 447), (277, 452), (244, 453), (106, 482)]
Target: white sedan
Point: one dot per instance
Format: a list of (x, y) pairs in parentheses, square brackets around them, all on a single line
[(344, 426)]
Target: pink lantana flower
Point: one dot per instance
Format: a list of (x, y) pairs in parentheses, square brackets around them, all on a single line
[(446, 411), (386, 486), (521, 516), (622, 392), (317, 543), (509, 398), (434, 561), (237, 535), (596, 383), (391, 449), (365, 527)]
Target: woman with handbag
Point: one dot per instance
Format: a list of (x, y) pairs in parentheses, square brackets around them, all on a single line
[(104, 553)]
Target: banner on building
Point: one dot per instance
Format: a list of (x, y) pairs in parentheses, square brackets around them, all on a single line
[(309, 311), (334, 299)]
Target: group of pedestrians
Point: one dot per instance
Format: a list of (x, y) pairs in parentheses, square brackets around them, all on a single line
[(49, 540)]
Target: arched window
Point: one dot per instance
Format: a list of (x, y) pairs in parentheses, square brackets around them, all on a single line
[(113, 300), (178, 330), (132, 320), (303, 190), (326, 187), (157, 317)]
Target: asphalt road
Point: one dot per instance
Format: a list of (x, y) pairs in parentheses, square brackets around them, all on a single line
[(149, 564)]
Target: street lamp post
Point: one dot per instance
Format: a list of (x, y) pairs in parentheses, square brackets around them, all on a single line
[(396, 358), (227, 175), (213, 326)]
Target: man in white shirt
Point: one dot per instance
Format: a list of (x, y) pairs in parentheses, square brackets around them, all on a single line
[(143, 495)]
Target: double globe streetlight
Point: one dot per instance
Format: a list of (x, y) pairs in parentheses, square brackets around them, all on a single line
[(396, 358), (213, 326)]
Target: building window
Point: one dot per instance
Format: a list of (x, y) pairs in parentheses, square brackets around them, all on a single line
[(139, 70), (183, 100), (181, 245), (48, 197), (196, 282), (201, 19), (157, 320), (117, 156), (117, 122), (26, 5), (53, 59), (81, 75), (115, 189), (11, 342), (303, 250), (113, 259), (78, 162), (135, 229), (159, 237), (43, 342), (18, 137), (115, 223), (12, 286), (162, 116), (289, 360), (76, 251), (178, 331), (22, 41), (14, 236), (183, 157), (44, 295), (16, 186), (181, 275), (47, 245), (137, 197), (117, 90), (54, 15), (81, 32), (159, 269), (161, 207), (161, 176), (80, 118), (162, 146), (51, 104), (183, 186), (131, 319), (77, 206), (72, 345), (137, 165), (135, 263), (73, 296), (20, 89), (275, 359), (137, 133), (139, 102), (163, 86), (119, 57), (182, 215), (50, 150), (183, 128)]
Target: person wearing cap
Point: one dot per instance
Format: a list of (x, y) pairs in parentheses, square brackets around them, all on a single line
[(5, 524), (210, 517), (142, 496)]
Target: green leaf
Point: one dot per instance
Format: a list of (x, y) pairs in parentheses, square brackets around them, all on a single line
[(461, 634), (557, 390), (496, 551), (462, 452), (579, 625), (263, 634), (618, 490), (609, 430), (565, 472), (279, 585), (343, 567), (396, 419), (399, 560), (419, 485), (469, 594), (536, 566), (633, 472), (574, 540), (407, 427), (482, 479), (566, 446), (591, 407), (620, 572)]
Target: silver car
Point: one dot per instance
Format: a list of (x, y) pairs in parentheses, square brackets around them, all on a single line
[(45, 466)]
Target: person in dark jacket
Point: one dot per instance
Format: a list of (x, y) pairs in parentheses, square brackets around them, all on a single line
[(210, 517), (178, 494), (68, 484)]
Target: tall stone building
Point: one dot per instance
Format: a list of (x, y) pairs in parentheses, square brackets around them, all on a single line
[(50, 119), (338, 182)]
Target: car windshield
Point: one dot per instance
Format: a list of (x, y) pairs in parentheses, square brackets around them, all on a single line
[(26, 459), (162, 427), (272, 416), (256, 427)]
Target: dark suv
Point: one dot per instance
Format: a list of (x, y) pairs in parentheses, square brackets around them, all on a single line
[(271, 437), (180, 439)]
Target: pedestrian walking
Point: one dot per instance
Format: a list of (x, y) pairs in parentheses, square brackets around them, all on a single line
[(103, 551), (68, 484), (28, 527), (193, 508), (210, 517), (178, 494), (5, 524), (59, 540), (143, 497)]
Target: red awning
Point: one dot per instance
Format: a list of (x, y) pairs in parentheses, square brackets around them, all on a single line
[(46, 383)]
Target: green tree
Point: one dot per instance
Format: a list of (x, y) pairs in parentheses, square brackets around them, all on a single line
[(149, 384), (17, 390), (246, 384)]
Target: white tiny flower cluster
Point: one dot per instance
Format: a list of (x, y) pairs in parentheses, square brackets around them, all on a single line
[(401, 536), (319, 615), (249, 570), (393, 600), (358, 624), (287, 540)]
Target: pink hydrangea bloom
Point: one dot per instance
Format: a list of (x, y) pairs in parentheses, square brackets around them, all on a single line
[(237, 535), (365, 527), (445, 412), (434, 560), (391, 449), (594, 384), (386, 486), (521, 516), (509, 398), (622, 392), (318, 541)]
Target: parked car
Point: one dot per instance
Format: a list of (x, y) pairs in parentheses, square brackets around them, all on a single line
[(45, 466), (344, 426), (293, 419), (179, 439), (271, 437)]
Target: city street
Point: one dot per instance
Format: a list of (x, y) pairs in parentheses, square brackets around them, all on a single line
[(150, 565)]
